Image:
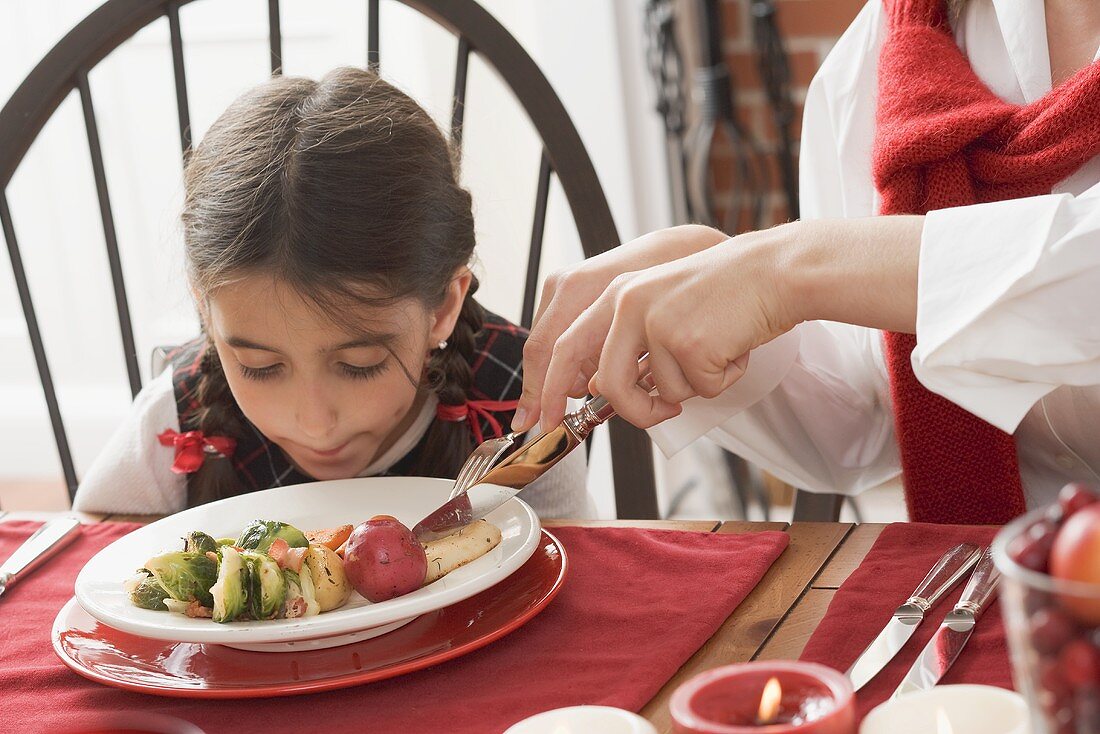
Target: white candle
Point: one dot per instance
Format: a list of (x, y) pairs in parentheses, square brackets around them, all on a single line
[(951, 710), (583, 720)]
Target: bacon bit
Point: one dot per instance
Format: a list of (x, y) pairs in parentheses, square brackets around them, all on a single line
[(277, 550), (295, 607), (212, 556), (294, 559), (194, 609)]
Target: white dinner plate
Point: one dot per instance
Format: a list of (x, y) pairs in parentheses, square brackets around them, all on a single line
[(308, 507)]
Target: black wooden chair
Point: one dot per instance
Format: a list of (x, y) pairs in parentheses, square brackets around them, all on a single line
[(67, 66)]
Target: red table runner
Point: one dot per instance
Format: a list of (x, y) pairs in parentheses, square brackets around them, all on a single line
[(897, 562), (635, 606)]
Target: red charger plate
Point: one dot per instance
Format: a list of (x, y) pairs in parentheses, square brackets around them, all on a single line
[(198, 670)]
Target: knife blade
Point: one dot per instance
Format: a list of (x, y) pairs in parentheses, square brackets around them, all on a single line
[(943, 577), (501, 483), (505, 480), (944, 647), (45, 541)]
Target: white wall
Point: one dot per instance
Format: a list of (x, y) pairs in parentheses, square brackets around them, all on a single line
[(591, 52)]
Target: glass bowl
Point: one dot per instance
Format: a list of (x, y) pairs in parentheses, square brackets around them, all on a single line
[(1053, 629)]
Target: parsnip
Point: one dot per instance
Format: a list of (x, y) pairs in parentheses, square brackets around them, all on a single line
[(453, 551)]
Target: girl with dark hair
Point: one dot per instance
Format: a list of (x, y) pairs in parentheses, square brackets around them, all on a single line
[(328, 244)]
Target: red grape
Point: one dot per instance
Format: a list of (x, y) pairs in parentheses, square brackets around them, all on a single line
[(1080, 664), (1050, 630), (1076, 496)]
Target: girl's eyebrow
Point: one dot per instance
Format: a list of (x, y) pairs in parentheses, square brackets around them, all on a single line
[(242, 343), (367, 340)]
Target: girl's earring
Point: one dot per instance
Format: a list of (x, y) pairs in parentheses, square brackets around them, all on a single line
[(442, 344)]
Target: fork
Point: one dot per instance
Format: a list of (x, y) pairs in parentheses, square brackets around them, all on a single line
[(485, 456), (480, 462)]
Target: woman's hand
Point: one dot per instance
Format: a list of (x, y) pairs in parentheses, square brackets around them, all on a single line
[(699, 315), (567, 293)]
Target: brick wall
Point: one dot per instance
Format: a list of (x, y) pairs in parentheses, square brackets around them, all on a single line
[(809, 28)]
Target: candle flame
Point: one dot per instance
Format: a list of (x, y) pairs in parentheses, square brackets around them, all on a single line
[(769, 701), (943, 724)]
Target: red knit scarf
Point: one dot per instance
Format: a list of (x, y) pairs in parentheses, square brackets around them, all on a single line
[(943, 139)]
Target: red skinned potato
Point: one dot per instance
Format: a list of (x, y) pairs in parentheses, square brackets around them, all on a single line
[(1076, 557), (383, 559)]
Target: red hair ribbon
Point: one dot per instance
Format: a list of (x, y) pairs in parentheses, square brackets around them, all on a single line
[(192, 447), (472, 410)]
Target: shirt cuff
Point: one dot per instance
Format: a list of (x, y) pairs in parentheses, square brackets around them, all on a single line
[(768, 365), (970, 259)]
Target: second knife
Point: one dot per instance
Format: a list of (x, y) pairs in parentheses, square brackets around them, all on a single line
[(947, 572), (945, 646)]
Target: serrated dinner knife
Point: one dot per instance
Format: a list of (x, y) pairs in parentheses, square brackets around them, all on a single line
[(947, 572), (944, 647)]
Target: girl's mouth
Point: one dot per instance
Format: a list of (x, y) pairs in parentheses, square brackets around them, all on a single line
[(329, 453)]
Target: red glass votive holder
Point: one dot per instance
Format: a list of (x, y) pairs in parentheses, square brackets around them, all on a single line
[(815, 700)]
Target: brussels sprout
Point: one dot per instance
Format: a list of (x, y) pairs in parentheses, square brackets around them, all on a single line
[(199, 542), (259, 534), (266, 585), (146, 592), (230, 593), (300, 594), (185, 576), (309, 591)]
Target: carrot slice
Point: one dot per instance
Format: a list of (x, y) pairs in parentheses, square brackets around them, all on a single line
[(333, 538)]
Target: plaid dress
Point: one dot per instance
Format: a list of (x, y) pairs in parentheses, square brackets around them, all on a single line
[(497, 368)]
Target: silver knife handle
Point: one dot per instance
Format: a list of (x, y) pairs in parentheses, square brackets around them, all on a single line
[(945, 575), (45, 541), (981, 586), (598, 411)]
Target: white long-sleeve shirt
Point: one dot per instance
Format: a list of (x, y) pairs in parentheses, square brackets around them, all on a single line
[(1008, 311)]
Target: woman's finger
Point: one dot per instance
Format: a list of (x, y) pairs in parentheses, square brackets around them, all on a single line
[(672, 385), (579, 346), (556, 313), (618, 375)]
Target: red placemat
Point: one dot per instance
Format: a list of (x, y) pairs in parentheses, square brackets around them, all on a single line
[(899, 559), (635, 605)]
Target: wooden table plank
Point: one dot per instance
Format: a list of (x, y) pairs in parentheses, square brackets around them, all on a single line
[(741, 636), (748, 526), (700, 526), (848, 558), (789, 640)]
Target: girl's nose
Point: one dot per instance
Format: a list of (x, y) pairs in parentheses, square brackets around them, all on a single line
[(317, 417)]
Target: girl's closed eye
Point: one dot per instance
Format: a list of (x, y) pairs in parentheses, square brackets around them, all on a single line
[(364, 373), (259, 373)]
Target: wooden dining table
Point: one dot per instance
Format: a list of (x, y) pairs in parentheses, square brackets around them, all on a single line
[(773, 622)]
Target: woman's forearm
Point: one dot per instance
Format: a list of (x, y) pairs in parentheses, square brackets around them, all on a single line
[(855, 271)]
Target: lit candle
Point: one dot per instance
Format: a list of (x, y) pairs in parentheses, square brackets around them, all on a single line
[(583, 720), (780, 697), (951, 710)]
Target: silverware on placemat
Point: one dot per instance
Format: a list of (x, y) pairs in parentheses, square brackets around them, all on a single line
[(947, 572), (45, 541), (944, 647)]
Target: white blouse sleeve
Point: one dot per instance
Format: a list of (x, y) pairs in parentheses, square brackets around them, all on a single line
[(133, 473), (1012, 315)]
